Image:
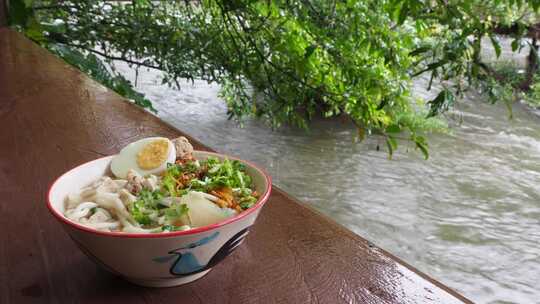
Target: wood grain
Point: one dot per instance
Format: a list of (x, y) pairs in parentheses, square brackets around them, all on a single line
[(52, 118)]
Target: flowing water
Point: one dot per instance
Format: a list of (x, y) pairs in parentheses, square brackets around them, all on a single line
[(469, 216)]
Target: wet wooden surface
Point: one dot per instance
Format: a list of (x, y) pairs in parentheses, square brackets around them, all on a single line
[(52, 118)]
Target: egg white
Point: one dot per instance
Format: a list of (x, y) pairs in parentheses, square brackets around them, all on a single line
[(127, 158)]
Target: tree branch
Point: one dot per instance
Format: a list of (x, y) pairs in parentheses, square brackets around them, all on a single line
[(531, 31), (120, 58), (532, 67), (52, 7), (490, 71)]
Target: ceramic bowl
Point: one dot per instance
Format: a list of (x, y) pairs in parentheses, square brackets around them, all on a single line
[(161, 259)]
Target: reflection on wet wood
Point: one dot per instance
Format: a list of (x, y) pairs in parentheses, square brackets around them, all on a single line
[(52, 118)]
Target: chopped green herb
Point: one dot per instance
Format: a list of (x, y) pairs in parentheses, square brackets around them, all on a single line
[(169, 184), (151, 210), (226, 173), (173, 228), (150, 198), (176, 211), (247, 202), (137, 210)]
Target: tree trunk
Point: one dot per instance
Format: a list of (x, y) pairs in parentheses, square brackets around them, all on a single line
[(532, 32), (532, 66), (3, 13)]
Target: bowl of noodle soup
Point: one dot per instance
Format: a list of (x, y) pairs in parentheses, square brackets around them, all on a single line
[(163, 259)]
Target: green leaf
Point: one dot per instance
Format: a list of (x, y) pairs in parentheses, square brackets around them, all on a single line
[(444, 100), (361, 133), (391, 143), (309, 50), (403, 13), (515, 45), (393, 129), (535, 4), (422, 145), (433, 66), (34, 30), (420, 50), (496, 45), (141, 3), (399, 11)]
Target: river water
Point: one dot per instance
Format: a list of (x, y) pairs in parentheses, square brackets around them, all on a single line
[(469, 216)]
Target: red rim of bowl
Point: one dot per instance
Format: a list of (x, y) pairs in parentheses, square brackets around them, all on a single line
[(262, 200)]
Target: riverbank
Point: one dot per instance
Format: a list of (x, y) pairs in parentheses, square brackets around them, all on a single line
[(513, 65)]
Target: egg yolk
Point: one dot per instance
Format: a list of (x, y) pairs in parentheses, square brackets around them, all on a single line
[(153, 154)]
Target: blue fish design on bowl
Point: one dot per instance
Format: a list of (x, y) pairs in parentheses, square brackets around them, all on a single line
[(186, 262)]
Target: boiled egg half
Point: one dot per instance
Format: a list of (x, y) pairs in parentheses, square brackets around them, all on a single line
[(146, 156)]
